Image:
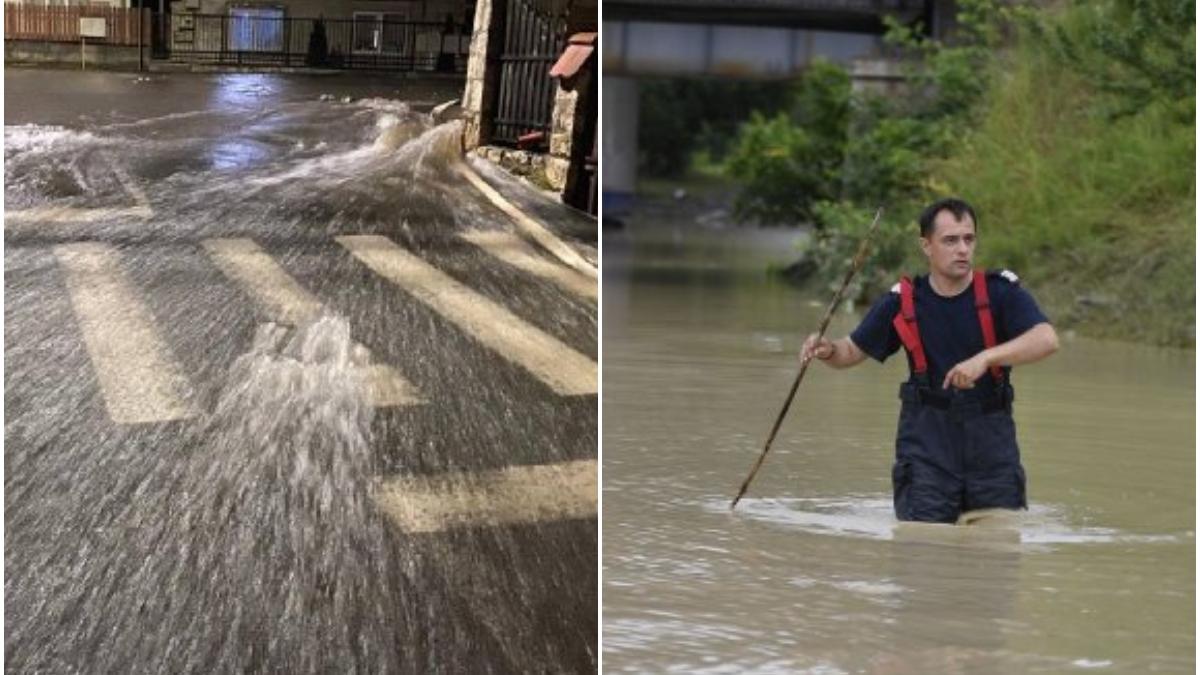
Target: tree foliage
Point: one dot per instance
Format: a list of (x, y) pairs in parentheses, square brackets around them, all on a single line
[(318, 46), (788, 162), (679, 117), (1139, 53)]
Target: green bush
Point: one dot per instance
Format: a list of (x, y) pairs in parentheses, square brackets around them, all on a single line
[(1087, 189), (1137, 53), (787, 162), (779, 165), (679, 118)]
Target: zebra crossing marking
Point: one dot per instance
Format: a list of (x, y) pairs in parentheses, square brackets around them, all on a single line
[(512, 495), (513, 250), (565, 370), (274, 289), (536, 231), (286, 300), (73, 214), (139, 378)]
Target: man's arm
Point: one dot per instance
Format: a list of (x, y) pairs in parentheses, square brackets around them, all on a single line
[(838, 354), (1033, 345)]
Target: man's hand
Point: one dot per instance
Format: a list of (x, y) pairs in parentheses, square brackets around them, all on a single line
[(964, 375), (821, 349)]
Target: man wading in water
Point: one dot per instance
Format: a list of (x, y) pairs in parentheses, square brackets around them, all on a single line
[(963, 330)]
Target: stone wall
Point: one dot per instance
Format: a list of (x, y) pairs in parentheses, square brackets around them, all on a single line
[(483, 73), (67, 54), (571, 105), (528, 165)]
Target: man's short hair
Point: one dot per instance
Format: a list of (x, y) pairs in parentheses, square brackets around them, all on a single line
[(952, 204)]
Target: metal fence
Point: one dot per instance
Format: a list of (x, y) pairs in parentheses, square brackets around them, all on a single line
[(533, 40), (251, 36), (61, 24)]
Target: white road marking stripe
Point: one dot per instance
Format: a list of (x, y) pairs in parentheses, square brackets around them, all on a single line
[(287, 301), (139, 378), (513, 250), (562, 368), (281, 295), (516, 494), (536, 231), (386, 387), (72, 214)]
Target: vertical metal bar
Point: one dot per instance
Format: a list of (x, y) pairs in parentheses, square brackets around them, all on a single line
[(546, 48), (514, 72), (501, 109), (536, 39), (548, 84), (527, 29), (532, 52), (536, 48), (538, 72), (524, 92), (546, 45), (514, 65)]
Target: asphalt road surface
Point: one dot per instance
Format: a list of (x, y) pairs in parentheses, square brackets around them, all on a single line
[(285, 390)]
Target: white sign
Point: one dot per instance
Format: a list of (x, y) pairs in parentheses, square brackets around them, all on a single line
[(93, 27)]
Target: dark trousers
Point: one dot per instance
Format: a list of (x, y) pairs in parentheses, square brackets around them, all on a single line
[(955, 454)]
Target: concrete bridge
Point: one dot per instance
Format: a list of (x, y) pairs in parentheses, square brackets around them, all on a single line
[(745, 39)]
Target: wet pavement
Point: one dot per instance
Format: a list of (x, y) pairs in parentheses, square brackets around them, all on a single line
[(284, 391)]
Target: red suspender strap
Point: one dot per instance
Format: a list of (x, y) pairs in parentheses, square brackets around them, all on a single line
[(906, 327), (983, 308)]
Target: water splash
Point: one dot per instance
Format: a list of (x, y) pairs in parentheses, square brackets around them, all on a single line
[(873, 518), (264, 552), (27, 138)]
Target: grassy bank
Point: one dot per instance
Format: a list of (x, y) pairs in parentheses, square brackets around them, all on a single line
[(1095, 209)]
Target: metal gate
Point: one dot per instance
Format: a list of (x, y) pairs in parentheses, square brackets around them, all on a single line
[(534, 36)]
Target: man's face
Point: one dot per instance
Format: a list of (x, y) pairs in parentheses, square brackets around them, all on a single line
[(950, 248)]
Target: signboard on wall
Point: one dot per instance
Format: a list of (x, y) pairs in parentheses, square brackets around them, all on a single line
[(93, 27)]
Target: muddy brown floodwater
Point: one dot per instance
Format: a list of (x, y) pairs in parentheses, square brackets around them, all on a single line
[(807, 575)]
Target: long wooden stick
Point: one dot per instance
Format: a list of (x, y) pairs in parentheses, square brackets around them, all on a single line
[(855, 266)]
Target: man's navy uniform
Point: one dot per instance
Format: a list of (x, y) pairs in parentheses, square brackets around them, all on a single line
[(956, 450)]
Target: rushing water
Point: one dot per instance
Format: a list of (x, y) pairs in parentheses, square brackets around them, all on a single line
[(810, 573), (246, 536)]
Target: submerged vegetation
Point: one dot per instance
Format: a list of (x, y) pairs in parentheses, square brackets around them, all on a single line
[(1071, 130)]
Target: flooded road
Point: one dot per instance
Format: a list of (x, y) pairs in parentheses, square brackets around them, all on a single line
[(284, 392), (810, 575)]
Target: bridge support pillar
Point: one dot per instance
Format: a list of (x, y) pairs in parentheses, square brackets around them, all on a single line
[(620, 144)]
